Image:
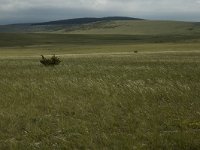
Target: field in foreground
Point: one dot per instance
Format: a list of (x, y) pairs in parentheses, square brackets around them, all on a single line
[(114, 100)]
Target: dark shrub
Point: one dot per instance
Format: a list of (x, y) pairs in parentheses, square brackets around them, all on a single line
[(135, 51), (51, 61)]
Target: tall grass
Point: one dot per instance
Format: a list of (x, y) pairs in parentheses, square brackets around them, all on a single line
[(139, 101)]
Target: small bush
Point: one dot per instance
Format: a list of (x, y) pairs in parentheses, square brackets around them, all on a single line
[(54, 60), (135, 51)]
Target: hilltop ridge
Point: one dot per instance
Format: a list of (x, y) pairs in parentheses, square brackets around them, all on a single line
[(106, 25), (79, 21)]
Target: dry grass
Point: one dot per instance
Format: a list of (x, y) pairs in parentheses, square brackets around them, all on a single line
[(138, 101)]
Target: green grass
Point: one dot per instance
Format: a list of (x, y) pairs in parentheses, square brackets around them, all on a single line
[(30, 44), (103, 95), (143, 27), (33, 39), (142, 101)]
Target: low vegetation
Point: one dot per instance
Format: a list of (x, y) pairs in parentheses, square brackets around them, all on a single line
[(51, 61), (143, 101), (119, 26), (103, 95)]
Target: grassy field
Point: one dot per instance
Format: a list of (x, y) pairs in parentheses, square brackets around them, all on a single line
[(142, 27), (32, 44), (103, 95), (125, 27)]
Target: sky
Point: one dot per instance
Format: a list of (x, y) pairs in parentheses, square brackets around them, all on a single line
[(30, 11)]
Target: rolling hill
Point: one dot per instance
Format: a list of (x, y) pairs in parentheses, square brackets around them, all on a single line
[(107, 25), (80, 21), (59, 25), (142, 27)]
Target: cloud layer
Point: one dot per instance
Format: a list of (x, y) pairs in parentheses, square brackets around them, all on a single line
[(14, 11)]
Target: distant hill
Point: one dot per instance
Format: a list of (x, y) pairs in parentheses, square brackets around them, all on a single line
[(80, 21), (137, 27), (107, 25)]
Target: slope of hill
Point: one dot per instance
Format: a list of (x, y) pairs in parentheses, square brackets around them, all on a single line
[(58, 25), (143, 27), (80, 21), (108, 25)]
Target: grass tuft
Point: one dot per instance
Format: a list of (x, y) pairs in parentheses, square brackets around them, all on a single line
[(50, 62)]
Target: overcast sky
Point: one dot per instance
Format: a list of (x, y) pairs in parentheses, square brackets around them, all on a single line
[(22, 11)]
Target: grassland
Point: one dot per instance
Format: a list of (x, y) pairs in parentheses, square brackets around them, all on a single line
[(142, 27), (129, 27), (103, 95), (32, 44)]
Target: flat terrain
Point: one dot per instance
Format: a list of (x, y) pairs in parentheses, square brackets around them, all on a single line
[(103, 95), (33, 44)]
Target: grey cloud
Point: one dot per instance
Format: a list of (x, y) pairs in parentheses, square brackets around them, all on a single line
[(13, 11)]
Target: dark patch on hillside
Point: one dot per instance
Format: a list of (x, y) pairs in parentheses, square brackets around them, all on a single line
[(31, 39), (80, 21)]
